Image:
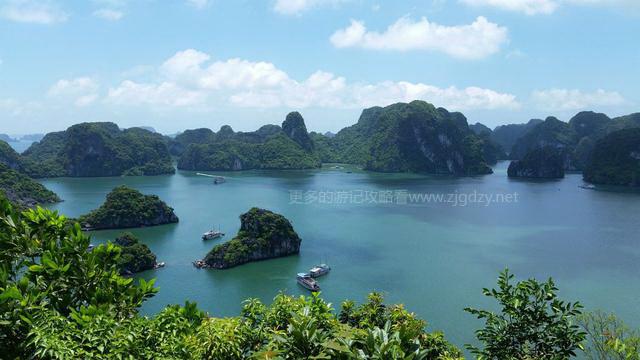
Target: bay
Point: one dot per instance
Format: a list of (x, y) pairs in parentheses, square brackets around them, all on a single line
[(433, 254)]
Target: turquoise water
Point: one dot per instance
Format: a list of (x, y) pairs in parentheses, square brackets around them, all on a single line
[(435, 257)]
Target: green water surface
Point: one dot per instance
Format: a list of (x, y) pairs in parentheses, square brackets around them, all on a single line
[(434, 257)]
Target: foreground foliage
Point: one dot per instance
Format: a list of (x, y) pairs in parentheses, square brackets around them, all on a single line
[(533, 323), (58, 300)]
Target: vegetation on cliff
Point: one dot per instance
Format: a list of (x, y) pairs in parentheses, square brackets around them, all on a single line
[(507, 135), (22, 190), (616, 159), (134, 255), (9, 157), (270, 147), (98, 149), (541, 163), (263, 235), (129, 208), (413, 137)]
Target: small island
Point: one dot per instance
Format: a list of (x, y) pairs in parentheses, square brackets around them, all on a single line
[(541, 163), (134, 256), (263, 235), (128, 208)]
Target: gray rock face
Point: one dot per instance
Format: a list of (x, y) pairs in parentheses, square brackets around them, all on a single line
[(543, 163), (294, 127), (263, 235)]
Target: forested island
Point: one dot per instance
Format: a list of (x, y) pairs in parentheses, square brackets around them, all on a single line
[(128, 208), (134, 255), (98, 149), (263, 235)]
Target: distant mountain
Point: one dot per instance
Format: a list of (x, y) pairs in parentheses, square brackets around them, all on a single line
[(542, 163), (32, 137), (413, 137), (7, 138), (507, 135), (329, 134), (616, 159), (552, 132), (480, 129), (98, 149), (577, 138), (270, 147), (148, 128)]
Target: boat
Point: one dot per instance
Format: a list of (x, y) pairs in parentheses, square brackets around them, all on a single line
[(212, 234), (317, 271), (307, 282), (159, 265), (588, 187), (217, 179)]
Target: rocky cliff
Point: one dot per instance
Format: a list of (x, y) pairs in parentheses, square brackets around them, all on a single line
[(128, 208), (412, 137), (270, 147), (23, 191), (99, 149), (616, 159), (263, 235), (540, 163)]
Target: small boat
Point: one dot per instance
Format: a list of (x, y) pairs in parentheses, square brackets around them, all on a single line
[(588, 187), (159, 265), (307, 282), (217, 179), (317, 271), (212, 234)]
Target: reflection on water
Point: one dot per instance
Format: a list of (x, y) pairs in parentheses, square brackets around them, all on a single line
[(432, 256)]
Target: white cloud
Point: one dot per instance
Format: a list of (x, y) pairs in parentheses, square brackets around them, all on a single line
[(191, 79), (566, 99), (82, 91), (165, 94), (198, 4), (108, 14), (473, 41), (33, 11), (529, 7), (296, 7), (533, 7)]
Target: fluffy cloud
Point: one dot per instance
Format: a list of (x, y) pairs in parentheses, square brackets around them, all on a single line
[(295, 7), (82, 91), (565, 99), (533, 7), (473, 41), (32, 11), (191, 79), (109, 14)]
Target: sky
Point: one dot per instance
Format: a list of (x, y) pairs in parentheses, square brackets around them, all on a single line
[(181, 64)]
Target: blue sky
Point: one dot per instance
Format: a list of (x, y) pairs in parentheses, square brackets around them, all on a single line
[(177, 64)]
